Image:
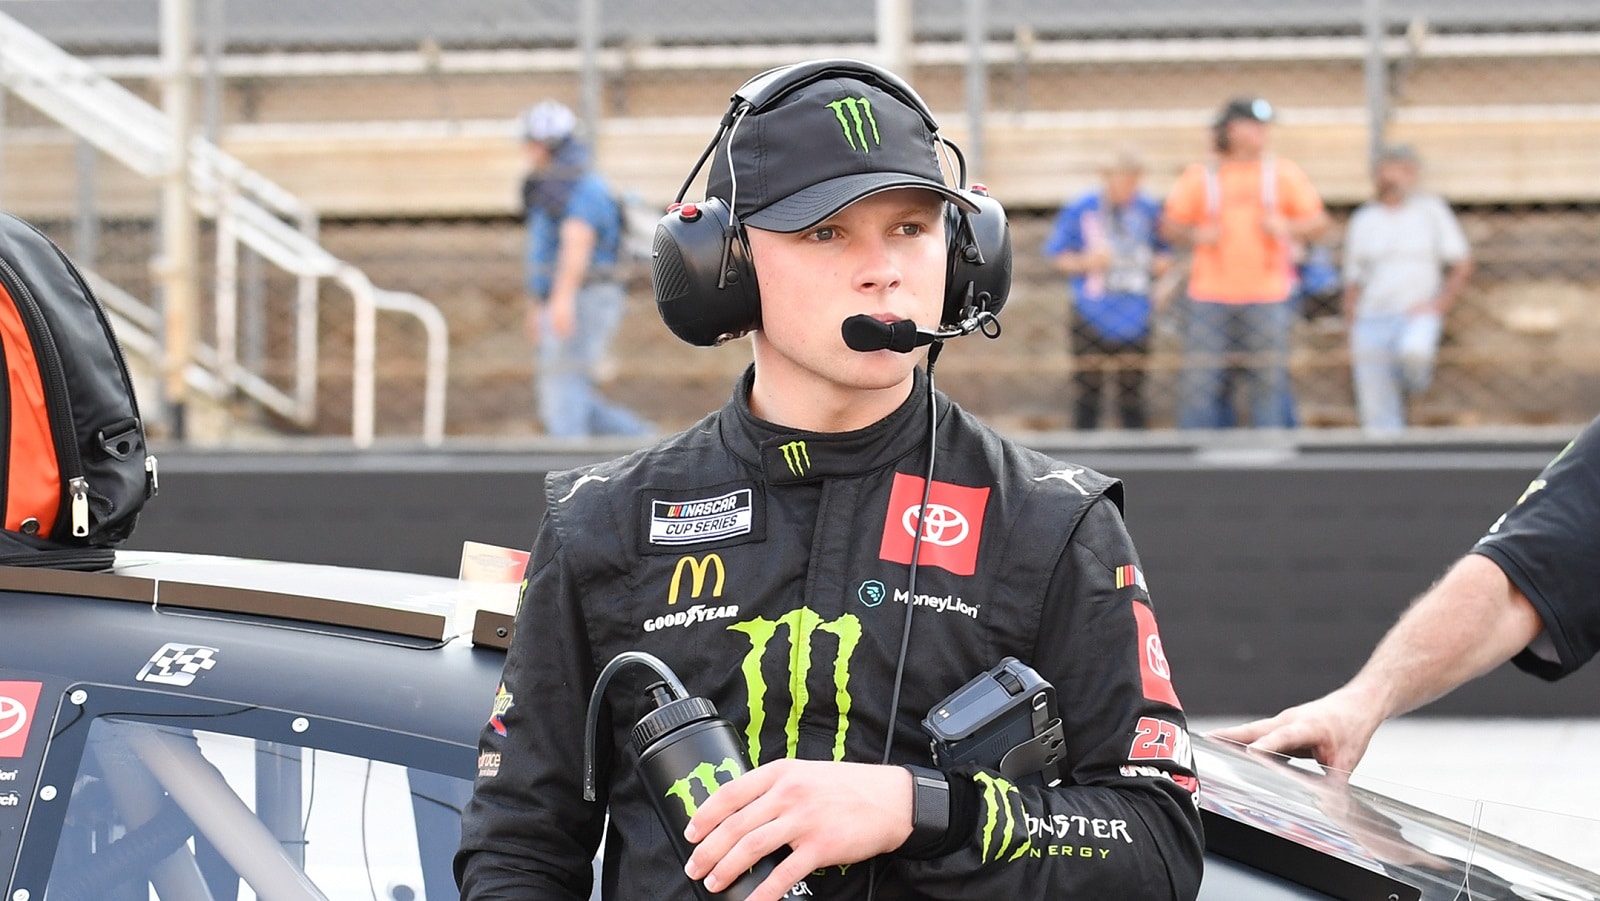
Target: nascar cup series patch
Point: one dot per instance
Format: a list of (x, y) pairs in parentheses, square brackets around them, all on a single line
[(712, 517)]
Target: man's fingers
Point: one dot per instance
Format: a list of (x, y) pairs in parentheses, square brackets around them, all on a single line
[(1276, 735), (1291, 740), (1245, 733), (784, 876), (726, 801), (750, 848)]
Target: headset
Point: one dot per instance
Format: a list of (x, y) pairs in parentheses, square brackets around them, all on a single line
[(701, 269)]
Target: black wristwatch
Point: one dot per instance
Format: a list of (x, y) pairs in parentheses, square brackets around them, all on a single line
[(930, 811)]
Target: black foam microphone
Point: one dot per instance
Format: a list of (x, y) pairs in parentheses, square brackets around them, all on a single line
[(863, 333)]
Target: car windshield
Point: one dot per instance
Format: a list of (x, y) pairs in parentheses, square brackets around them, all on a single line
[(164, 810), (1446, 847)]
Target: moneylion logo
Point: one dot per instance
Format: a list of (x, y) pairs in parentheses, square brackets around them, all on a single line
[(795, 455), (698, 567), (1005, 820), (855, 118), (801, 626), (704, 776)]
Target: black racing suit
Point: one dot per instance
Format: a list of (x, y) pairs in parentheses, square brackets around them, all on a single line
[(769, 568)]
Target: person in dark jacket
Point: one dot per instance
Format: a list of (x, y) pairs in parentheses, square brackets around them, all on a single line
[(812, 562)]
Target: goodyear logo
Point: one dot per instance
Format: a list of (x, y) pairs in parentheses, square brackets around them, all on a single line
[(698, 568), (796, 458), (856, 121)]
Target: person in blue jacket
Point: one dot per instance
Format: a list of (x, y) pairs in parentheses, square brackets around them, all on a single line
[(1106, 240)]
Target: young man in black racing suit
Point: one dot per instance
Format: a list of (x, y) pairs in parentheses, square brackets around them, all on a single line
[(765, 555)]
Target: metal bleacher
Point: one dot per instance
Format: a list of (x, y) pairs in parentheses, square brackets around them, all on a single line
[(248, 209)]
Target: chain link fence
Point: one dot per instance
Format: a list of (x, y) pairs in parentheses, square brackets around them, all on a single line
[(395, 122)]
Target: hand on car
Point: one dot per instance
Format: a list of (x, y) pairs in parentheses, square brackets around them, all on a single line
[(1334, 729), (828, 813)]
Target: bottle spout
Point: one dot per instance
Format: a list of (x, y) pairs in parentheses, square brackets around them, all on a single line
[(669, 689)]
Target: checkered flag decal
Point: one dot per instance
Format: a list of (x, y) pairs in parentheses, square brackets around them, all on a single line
[(178, 664)]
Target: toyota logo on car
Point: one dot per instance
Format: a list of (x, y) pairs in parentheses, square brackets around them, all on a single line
[(941, 525)]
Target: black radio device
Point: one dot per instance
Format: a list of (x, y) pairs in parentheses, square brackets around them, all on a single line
[(1004, 719)]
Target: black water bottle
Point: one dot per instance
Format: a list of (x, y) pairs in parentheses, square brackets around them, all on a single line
[(686, 752)]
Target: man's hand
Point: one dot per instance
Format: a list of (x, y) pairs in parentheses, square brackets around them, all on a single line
[(1275, 225), (1335, 729), (828, 813), (563, 316)]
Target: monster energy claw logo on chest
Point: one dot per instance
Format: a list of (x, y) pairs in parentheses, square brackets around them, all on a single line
[(802, 628), (856, 120)]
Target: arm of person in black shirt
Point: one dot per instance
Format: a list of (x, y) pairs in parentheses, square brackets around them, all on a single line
[(1469, 622)]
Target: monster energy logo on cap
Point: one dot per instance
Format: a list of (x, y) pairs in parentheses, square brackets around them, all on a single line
[(855, 118), (801, 627), (795, 455)]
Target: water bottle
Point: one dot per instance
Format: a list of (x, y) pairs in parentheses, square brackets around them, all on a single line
[(686, 752)]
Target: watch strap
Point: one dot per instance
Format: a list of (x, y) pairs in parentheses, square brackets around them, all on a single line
[(930, 812)]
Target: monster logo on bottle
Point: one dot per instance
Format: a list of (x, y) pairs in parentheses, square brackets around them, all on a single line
[(705, 778)]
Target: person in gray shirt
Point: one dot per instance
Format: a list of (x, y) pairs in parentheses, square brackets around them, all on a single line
[(1405, 263)]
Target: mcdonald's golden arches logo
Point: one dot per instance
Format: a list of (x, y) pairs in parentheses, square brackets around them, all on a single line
[(699, 568)]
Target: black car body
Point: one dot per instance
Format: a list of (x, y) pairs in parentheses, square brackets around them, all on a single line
[(202, 728)]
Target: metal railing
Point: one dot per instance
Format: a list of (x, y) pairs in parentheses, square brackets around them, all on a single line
[(247, 209)]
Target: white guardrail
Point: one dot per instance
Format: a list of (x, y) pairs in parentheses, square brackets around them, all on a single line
[(248, 209)]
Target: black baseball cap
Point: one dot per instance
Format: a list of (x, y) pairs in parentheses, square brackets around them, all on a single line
[(820, 148), (1245, 108)]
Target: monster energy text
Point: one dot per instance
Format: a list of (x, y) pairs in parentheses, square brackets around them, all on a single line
[(802, 626), (797, 458), (855, 118)]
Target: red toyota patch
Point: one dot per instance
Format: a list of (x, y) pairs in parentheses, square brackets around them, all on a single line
[(950, 526), (1154, 673), (17, 703)]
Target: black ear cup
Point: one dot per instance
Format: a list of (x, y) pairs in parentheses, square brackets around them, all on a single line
[(978, 273), (700, 269)]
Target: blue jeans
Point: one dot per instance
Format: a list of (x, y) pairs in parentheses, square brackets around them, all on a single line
[(569, 404), (1250, 340), (1391, 356)]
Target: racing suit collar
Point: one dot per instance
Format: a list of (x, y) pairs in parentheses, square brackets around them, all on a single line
[(788, 456)]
